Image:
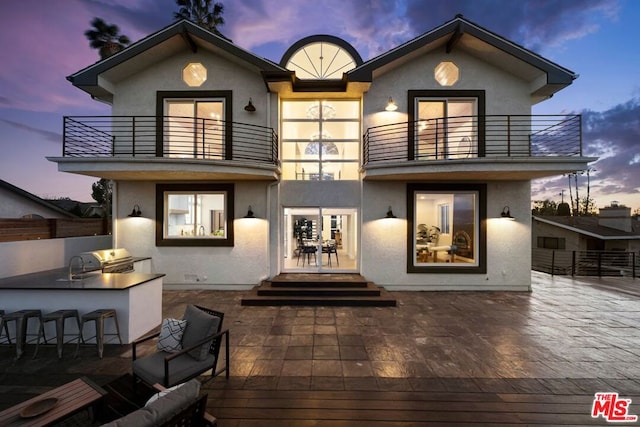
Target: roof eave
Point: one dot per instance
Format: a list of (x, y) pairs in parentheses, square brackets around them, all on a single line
[(87, 78)]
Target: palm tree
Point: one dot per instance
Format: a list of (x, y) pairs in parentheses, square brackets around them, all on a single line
[(105, 38), (204, 13)]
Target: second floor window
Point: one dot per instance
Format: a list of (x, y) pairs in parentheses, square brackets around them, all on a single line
[(446, 128), (320, 139), (194, 128)]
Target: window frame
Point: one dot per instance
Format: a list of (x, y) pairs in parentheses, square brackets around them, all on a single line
[(481, 206), (161, 189), (439, 94), (195, 95)]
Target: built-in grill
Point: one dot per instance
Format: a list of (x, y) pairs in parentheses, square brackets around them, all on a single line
[(108, 260)]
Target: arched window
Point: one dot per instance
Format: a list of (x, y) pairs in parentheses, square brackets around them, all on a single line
[(327, 148)]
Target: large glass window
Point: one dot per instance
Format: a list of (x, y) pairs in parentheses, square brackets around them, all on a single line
[(194, 215), (446, 228), (320, 139)]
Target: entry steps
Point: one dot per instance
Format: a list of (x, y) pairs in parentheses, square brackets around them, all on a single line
[(308, 289)]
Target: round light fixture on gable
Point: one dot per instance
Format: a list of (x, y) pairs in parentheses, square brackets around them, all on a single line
[(194, 74), (446, 73)]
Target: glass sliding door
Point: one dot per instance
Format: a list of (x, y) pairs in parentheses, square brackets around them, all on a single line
[(194, 128), (446, 128), (320, 240)]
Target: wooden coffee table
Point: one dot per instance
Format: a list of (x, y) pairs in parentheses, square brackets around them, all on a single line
[(71, 398)]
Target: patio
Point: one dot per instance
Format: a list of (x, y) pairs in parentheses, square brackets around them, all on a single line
[(470, 358)]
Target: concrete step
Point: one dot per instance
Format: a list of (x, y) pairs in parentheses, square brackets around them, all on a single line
[(319, 290), (324, 289)]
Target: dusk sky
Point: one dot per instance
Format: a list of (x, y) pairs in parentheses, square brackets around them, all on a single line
[(42, 42)]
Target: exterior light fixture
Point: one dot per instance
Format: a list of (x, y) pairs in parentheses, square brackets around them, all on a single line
[(136, 213), (250, 213), (250, 107), (506, 214), (390, 214), (391, 106)]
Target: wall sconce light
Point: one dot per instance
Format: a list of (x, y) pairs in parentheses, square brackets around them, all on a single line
[(136, 213), (250, 107), (391, 106), (250, 213), (390, 213), (506, 214)]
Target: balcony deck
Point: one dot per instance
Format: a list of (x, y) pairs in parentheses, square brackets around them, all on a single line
[(168, 148), (438, 358), (510, 147), (491, 147)]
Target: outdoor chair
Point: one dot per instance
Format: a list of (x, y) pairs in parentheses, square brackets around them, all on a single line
[(198, 353)]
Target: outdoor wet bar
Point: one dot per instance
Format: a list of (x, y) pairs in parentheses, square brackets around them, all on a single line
[(136, 296)]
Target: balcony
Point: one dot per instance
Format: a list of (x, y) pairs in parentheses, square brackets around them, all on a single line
[(167, 147), (482, 147)]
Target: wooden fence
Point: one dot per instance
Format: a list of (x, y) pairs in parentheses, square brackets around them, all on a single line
[(13, 230)]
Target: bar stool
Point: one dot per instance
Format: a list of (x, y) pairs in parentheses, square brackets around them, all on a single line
[(4, 325), (98, 316), (21, 318), (59, 317)]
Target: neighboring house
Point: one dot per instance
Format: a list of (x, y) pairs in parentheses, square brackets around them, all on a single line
[(612, 230), (84, 209), (18, 203), (203, 133)]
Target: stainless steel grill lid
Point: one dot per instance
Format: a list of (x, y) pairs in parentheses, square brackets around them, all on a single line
[(107, 260)]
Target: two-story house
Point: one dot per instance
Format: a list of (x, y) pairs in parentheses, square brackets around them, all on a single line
[(405, 168)]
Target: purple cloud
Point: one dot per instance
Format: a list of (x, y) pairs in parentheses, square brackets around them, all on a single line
[(613, 136)]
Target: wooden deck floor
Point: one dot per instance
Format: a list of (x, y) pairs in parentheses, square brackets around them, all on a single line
[(244, 408)]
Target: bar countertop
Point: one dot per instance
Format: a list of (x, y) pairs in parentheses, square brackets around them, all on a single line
[(59, 279)]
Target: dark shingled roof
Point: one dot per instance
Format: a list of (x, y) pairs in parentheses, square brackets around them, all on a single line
[(589, 225)]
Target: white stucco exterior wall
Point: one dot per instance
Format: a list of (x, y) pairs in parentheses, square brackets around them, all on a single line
[(504, 93), (239, 267), (137, 94), (508, 254), (31, 256)]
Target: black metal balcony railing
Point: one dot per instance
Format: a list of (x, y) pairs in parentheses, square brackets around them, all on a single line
[(474, 136), (168, 136), (586, 263)]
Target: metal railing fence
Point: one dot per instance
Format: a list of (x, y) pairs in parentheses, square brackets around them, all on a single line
[(586, 263), (168, 136), (464, 137)]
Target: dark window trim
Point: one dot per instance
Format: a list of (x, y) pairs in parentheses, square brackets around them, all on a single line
[(229, 208), (163, 95), (481, 189), (446, 93)]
